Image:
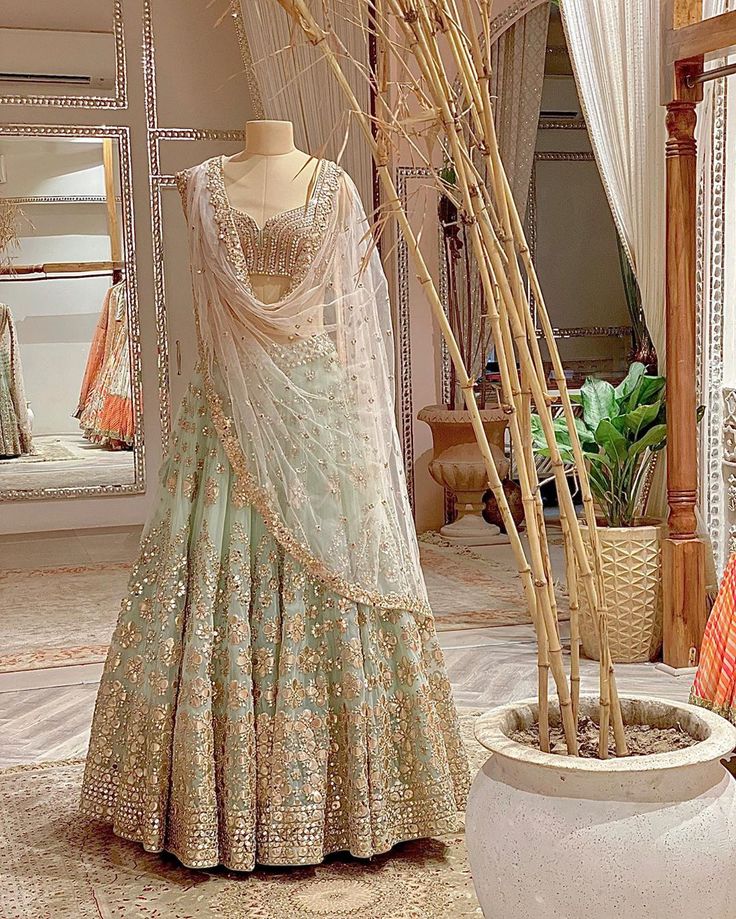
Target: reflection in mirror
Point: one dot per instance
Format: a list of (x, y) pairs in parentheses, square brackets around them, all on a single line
[(51, 50), (68, 416)]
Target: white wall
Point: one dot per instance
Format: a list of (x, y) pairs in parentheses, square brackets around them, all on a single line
[(576, 248), (55, 319)]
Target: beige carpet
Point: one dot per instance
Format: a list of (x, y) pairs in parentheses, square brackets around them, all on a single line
[(52, 617), (57, 865), (49, 451)]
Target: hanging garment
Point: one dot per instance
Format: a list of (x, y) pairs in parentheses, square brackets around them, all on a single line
[(105, 409), (275, 690), (715, 681), (15, 429)]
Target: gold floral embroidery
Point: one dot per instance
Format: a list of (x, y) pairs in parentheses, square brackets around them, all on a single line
[(182, 180), (211, 492), (247, 492)]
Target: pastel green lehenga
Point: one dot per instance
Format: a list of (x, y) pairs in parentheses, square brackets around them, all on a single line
[(254, 707)]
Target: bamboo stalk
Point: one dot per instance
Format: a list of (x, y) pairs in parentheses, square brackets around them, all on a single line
[(422, 47), (427, 56), (571, 579), (494, 229), (481, 108)]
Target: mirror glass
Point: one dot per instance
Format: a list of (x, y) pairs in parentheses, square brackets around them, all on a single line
[(52, 49), (68, 404)]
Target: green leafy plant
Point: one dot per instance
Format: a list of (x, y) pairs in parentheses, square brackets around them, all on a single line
[(621, 430)]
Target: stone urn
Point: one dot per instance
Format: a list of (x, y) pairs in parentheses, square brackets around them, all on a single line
[(457, 465), (641, 837)]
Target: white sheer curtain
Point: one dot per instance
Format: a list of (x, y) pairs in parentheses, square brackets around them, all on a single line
[(615, 50), (296, 85), (517, 62), (614, 47)]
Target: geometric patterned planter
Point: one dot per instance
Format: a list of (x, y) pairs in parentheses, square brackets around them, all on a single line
[(632, 577)]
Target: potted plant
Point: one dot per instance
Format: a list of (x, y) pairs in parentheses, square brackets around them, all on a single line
[(457, 464), (621, 430), (565, 836)]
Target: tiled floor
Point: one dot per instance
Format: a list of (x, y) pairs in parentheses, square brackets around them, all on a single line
[(92, 465), (45, 714)]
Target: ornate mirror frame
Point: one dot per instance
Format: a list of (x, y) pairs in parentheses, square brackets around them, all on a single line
[(122, 136), (404, 175), (119, 100)]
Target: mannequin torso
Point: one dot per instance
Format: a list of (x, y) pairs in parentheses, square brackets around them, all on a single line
[(268, 177)]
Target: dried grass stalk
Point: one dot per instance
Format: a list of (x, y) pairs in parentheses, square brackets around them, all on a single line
[(11, 217)]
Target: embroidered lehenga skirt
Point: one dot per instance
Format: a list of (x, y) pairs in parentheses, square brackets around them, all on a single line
[(251, 713), (15, 429), (105, 409)]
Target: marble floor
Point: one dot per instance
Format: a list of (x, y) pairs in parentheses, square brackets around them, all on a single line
[(46, 714), (87, 465)]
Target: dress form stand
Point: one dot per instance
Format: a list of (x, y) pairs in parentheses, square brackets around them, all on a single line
[(268, 177)]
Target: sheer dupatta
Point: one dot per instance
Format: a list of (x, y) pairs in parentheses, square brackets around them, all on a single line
[(278, 375)]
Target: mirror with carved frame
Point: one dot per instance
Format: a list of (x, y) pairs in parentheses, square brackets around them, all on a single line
[(70, 375), (62, 54)]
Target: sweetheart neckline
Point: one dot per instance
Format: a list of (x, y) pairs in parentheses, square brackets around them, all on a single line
[(281, 214)]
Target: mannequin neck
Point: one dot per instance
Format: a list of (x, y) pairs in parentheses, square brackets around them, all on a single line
[(269, 138)]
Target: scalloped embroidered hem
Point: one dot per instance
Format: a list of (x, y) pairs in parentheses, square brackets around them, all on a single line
[(431, 829), (725, 711)]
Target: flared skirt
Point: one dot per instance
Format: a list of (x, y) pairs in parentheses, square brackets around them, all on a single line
[(715, 682), (249, 713)]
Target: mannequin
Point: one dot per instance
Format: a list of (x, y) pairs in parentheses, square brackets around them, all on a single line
[(268, 177), (274, 690)]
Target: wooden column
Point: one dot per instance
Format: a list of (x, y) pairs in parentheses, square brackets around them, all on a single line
[(683, 552)]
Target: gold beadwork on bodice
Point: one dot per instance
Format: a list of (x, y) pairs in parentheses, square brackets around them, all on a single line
[(286, 245)]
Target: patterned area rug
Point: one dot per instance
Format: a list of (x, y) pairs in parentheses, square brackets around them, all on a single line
[(468, 590), (56, 865), (53, 617), (50, 451)]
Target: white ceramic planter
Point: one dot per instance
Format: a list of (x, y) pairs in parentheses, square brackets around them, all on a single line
[(651, 837)]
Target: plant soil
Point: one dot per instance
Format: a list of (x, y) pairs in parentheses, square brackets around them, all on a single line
[(642, 739)]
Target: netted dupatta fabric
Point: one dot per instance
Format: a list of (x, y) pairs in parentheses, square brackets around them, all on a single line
[(301, 393)]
